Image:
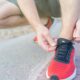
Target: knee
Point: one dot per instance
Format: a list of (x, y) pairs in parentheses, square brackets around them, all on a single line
[(1, 17)]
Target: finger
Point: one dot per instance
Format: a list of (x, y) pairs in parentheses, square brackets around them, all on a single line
[(44, 46), (55, 39), (35, 39), (43, 43), (51, 49), (76, 33), (50, 40), (77, 39)]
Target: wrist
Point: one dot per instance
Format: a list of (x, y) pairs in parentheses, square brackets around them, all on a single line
[(38, 27)]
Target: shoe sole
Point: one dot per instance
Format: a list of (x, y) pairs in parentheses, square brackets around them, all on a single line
[(69, 78)]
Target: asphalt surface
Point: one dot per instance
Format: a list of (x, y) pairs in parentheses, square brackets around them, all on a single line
[(22, 59)]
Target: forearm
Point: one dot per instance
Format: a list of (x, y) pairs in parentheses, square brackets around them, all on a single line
[(30, 12)]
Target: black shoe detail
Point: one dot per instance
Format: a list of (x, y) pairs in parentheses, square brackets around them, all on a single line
[(63, 50), (54, 78)]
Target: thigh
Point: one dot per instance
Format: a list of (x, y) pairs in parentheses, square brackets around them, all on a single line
[(8, 9), (48, 7)]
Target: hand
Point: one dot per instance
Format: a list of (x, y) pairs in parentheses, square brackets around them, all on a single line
[(76, 34), (45, 40)]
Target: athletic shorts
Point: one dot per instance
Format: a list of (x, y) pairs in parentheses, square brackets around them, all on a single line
[(46, 8)]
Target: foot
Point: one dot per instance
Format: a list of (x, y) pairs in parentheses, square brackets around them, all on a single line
[(62, 67)]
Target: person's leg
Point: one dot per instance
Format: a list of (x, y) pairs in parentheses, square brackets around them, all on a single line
[(12, 21), (62, 66), (70, 16), (10, 15)]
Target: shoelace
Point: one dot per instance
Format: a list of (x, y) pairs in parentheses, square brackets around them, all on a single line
[(63, 52)]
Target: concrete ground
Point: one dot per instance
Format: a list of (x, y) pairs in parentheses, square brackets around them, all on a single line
[(22, 59)]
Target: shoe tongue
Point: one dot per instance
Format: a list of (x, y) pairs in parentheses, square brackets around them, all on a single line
[(63, 41)]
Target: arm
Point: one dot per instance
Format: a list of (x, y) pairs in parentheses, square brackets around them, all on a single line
[(30, 12)]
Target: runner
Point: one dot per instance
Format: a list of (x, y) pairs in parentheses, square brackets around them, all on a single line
[(62, 66)]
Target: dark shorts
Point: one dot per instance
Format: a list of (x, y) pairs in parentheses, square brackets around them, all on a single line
[(45, 7)]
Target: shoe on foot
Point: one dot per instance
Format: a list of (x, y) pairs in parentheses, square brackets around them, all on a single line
[(62, 66)]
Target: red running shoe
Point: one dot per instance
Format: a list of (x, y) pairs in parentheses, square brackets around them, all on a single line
[(62, 67)]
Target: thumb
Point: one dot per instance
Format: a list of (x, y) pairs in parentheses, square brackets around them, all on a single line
[(50, 40)]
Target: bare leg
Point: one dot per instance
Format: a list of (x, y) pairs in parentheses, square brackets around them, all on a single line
[(10, 15), (69, 17), (8, 9), (12, 21)]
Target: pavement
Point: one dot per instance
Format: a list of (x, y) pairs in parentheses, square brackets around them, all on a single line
[(22, 59)]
